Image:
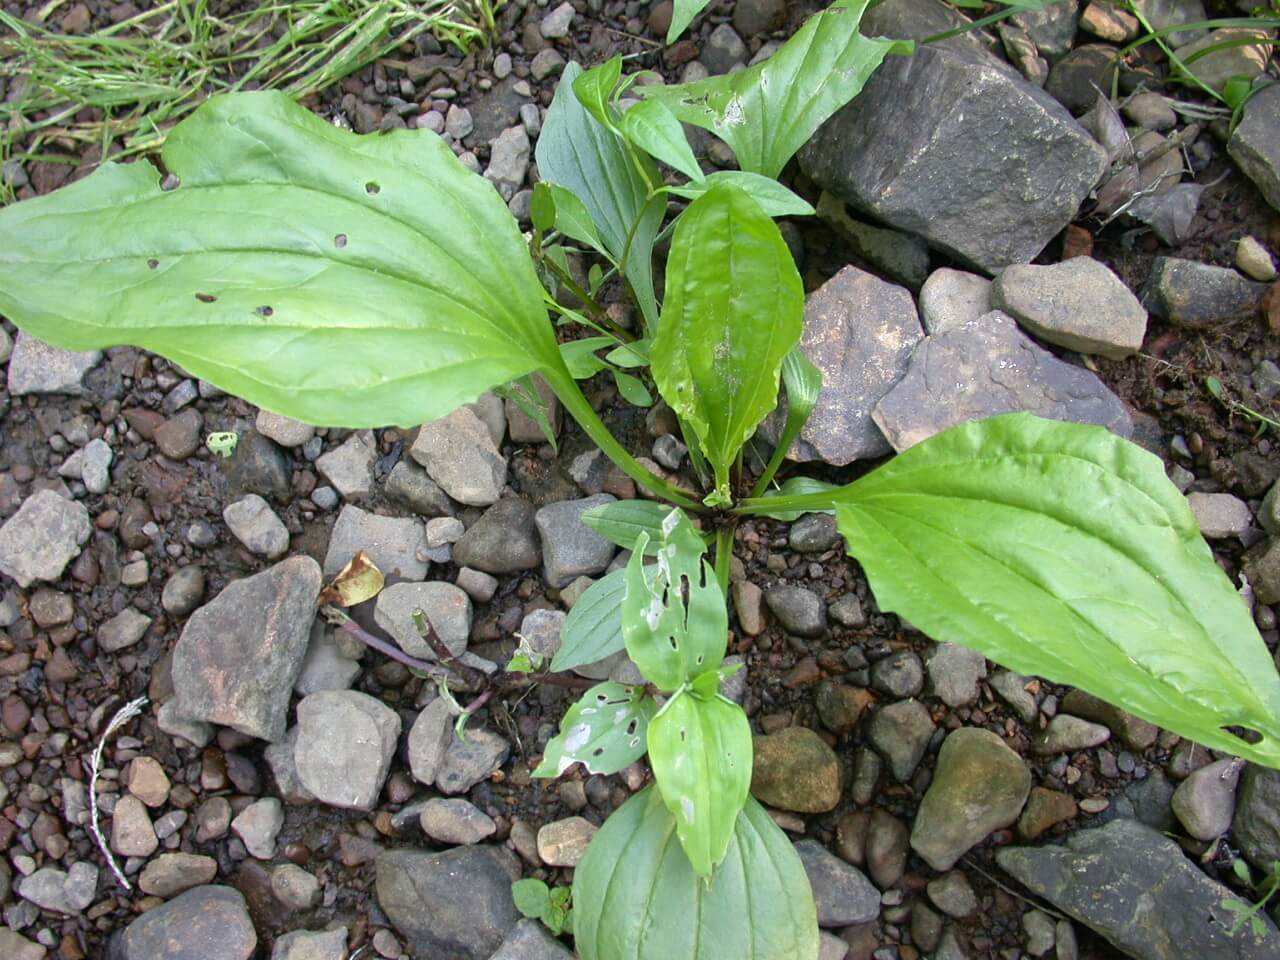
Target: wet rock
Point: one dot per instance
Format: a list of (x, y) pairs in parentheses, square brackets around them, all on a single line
[(238, 656), (563, 843), (309, 945), (346, 741), (68, 892), (283, 430), (459, 453), (502, 541), (1136, 733), (1066, 734), (1078, 304), (1045, 808), (951, 297), (38, 367), (955, 674), (571, 549), (794, 769), (258, 825), (1158, 905), (455, 822), (798, 609), (529, 940), (859, 331), (981, 368), (123, 630), (173, 873), (349, 468), (841, 893), (205, 923), (446, 608), (1205, 801), (1199, 296), (898, 675), (1257, 816), (132, 834), (452, 904), (916, 148), (1220, 514), (252, 521), (258, 466), (979, 785), (900, 732), (46, 534), (183, 591), (410, 486), (392, 543), (1255, 143)]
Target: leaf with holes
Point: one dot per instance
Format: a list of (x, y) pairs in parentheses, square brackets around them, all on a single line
[(674, 619), (636, 895), (1060, 550), (342, 280), (700, 751), (604, 731)]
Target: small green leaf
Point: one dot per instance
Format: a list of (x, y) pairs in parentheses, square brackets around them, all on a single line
[(532, 897), (774, 199), (580, 356), (595, 277), (803, 382), (637, 264), (520, 663), (700, 750), (573, 219), (595, 87), (1214, 386), (1235, 906), (632, 389), (1236, 91), (605, 731), (682, 15), (542, 207), (1241, 870), (630, 355), (674, 619), (593, 628), (652, 127), (622, 522)]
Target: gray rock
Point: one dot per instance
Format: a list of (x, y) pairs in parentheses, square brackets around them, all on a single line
[(794, 769), (123, 630), (1151, 111), (252, 521), (1052, 27), (900, 257), (1078, 304), (1262, 567), (453, 904), (723, 50), (848, 612), (170, 719), (1199, 296), (1220, 514), (349, 468), (1162, 14), (1074, 80), (1269, 511), (751, 17), (132, 833), (1257, 816), (955, 674), (1012, 689), (311, 945), (46, 534), (1255, 143), (37, 367), (952, 894), (455, 821), (798, 609), (563, 843), (979, 785), (546, 63), (458, 123), (498, 109), (295, 888), (952, 297), (1042, 932), (521, 427), (346, 741), (479, 586), (669, 451), (326, 666), (1067, 734), (284, 769), (183, 591), (258, 825), (571, 549), (1254, 261), (283, 430), (842, 894), (954, 146), (748, 605), (6, 345), (556, 24), (899, 675), (467, 762), (238, 656), (529, 940), (508, 164), (859, 331), (205, 923), (813, 533), (541, 630), (258, 466), (887, 848), (985, 367), (901, 732), (392, 543), (1235, 52), (173, 873), (502, 541), (459, 453), (95, 466), (1205, 801), (429, 740), (179, 437), (410, 486), (68, 892), (1158, 905), (446, 608)]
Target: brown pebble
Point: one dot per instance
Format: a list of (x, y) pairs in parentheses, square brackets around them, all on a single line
[(1271, 307), (59, 668), (298, 853)]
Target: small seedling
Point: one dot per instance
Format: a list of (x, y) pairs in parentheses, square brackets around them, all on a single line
[(1219, 393), (551, 905), (1248, 913)]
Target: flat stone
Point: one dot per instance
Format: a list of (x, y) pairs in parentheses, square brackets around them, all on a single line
[(1136, 733), (955, 674), (455, 821), (346, 741), (205, 923), (14, 946), (563, 843), (429, 739), (900, 732), (446, 608), (979, 785), (798, 609), (454, 904), (985, 367), (283, 430), (1255, 143), (37, 367), (294, 887), (1052, 27), (95, 466), (467, 762), (409, 486), (173, 873), (132, 834), (952, 297), (954, 146), (794, 769), (123, 630), (1078, 304), (68, 892), (1205, 801), (1162, 14), (252, 521), (1158, 905), (1220, 514), (1067, 734), (1074, 80), (349, 468), (258, 466), (258, 825), (459, 454), (1198, 296), (239, 655), (529, 940), (1045, 809), (1239, 58), (392, 543), (502, 541), (899, 675), (842, 894), (311, 945), (571, 549), (46, 534), (556, 23), (859, 331), (326, 665), (457, 122), (148, 781), (952, 894), (1257, 816)]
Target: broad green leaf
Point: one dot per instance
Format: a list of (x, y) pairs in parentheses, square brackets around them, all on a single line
[(803, 382), (632, 389), (622, 522), (593, 628), (339, 279), (652, 127), (1062, 551), (774, 199), (768, 112), (734, 307), (595, 87), (700, 750), (636, 896), (580, 356), (532, 897), (573, 219), (682, 15), (604, 731), (674, 619), (799, 487)]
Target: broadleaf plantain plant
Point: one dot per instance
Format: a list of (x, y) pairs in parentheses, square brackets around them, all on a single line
[(360, 281)]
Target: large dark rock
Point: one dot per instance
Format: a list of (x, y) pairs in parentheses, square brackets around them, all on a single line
[(842, 894), (205, 923), (1257, 823), (1135, 887), (1255, 143), (454, 904), (239, 654), (1199, 296), (953, 145), (502, 541), (988, 366)]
